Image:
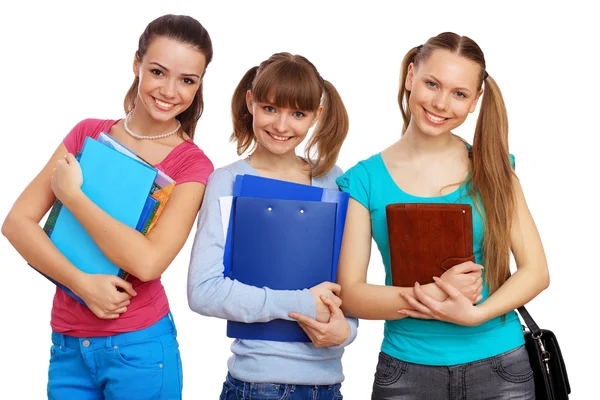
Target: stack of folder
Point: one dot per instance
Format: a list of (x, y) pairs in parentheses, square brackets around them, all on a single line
[(284, 236), (121, 183)]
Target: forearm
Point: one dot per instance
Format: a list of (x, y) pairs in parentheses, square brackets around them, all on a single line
[(376, 302), (518, 290), (34, 245), (124, 246)]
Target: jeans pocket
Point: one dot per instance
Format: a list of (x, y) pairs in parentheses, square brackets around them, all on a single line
[(54, 349), (146, 354), (229, 391), (513, 366), (389, 370)]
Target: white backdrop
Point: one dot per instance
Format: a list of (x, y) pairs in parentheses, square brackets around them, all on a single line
[(63, 62)]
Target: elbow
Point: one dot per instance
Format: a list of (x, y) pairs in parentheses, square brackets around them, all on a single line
[(8, 226), (200, 301), (545, 279), (146, 269)]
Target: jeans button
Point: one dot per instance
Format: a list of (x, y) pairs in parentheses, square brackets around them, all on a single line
[(86, 343)]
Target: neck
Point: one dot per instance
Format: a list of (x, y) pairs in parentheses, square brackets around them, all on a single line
[(143, 124), (419, 143), (263, 159)]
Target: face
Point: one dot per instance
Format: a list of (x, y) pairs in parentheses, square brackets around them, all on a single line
[(170, 74), (279, 130), (444, 90)]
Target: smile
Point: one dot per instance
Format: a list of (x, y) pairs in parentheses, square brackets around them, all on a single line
[(162, 104), (435, 118), (279, 138)]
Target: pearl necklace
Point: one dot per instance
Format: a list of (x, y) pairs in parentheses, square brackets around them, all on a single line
[(135, 135)]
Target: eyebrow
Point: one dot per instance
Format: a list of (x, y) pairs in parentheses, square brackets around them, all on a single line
[(460, 88), (167, 69)]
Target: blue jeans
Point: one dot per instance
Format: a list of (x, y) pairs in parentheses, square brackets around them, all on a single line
[(238, 390), (139, 365), (505, 376)]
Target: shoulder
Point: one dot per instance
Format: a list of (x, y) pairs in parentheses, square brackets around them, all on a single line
[(91, 127), (190, 164), (363, 170)]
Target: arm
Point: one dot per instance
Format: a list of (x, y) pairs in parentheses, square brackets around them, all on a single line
[(21, 227), (212, 294), (528, 281), (145, 257), (360, 299)]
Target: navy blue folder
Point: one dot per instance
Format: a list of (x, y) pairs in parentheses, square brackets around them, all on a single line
[(257, 186), (283, 245)]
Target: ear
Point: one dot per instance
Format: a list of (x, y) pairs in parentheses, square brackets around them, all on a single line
[(475, 101), (317, 116), (249, 102), (136, 65), (410, 76)]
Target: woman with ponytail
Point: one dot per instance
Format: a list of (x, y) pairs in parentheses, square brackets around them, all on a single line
[(458, 337), (273, 108)]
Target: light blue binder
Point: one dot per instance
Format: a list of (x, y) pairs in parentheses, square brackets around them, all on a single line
[(118, 184)]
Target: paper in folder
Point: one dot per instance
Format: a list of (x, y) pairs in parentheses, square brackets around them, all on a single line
[(284, 236), (115, 182)]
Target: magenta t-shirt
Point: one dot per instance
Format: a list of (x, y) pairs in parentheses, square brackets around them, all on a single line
[(185, 163)]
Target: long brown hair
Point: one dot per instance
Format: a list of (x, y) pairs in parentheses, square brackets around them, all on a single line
[(491, 174), (185, 30), (295, 83)]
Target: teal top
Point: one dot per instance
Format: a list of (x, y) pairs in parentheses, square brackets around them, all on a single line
[(419, 341)]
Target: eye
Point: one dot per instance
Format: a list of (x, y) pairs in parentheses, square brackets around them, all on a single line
[(156, 72), (298, 114), (269, 109), (461, 95), (188, 81), (431, 84)]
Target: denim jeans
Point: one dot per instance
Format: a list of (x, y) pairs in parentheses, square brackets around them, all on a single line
[(505, 376), (234, 389), (141, 365)]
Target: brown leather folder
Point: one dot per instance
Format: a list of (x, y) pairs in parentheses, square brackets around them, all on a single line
[(427, 239)]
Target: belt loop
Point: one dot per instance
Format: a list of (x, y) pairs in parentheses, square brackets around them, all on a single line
[(109, 342), (170, 315), (62, 340)]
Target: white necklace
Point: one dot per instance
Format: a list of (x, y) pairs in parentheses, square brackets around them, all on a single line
[(135, 135)]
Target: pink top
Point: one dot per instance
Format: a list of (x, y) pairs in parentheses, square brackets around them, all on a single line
[(185, 163)]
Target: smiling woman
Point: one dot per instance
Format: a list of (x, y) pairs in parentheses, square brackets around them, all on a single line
[(135, 325)]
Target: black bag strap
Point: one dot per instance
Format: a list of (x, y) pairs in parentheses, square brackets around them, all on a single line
[(533, 327)]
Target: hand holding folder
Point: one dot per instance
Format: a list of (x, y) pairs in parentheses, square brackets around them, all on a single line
[(426, 239)]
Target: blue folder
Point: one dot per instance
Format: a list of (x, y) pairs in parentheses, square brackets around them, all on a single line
[(284, 245), (257, 186), (266, 188), (118, 184)]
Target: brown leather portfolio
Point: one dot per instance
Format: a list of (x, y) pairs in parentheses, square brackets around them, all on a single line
[(427, 239)]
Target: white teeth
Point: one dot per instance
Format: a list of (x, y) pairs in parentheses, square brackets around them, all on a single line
[(434, 118), (282, 138), (163, 104)]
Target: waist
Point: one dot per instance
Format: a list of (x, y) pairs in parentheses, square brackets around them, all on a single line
[(146, 308), (281, 390), (164, 326), (262, 361), (443, 344)]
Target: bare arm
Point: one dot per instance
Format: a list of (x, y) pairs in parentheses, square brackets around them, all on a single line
[(21, 227), (145, 257)]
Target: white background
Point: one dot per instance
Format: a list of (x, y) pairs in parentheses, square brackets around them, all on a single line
[(62, 62)]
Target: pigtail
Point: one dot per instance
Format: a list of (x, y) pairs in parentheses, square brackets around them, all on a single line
[(330, 132), (403, 94), (243, 133), (492, 179)]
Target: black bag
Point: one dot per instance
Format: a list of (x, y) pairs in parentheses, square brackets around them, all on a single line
[(549, 371)]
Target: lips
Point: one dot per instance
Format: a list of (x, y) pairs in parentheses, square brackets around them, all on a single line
[(279, 138), (435, 119), (162, 104)]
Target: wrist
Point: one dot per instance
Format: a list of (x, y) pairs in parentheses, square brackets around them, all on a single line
[(72, 197), (77, 282)]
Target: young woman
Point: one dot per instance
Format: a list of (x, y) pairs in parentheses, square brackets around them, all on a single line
[(437, 343), (123, 344), (273, 108)]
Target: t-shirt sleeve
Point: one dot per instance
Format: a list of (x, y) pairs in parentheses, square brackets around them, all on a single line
[(512, 161), (197, 169), (88, 127), (356, 183)]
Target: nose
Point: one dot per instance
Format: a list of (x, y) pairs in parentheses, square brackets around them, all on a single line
[(441, 100), (280, 123), (168, 89)]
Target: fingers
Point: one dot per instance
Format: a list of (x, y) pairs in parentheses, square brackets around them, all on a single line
[(115, 280), (70, 158), (335, 288), (414, 303), (467, 267), (303, 319), (414, 314), (449, 289), (334, 309)]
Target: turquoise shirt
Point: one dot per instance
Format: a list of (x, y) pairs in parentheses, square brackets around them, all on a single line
[(418, 341)]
